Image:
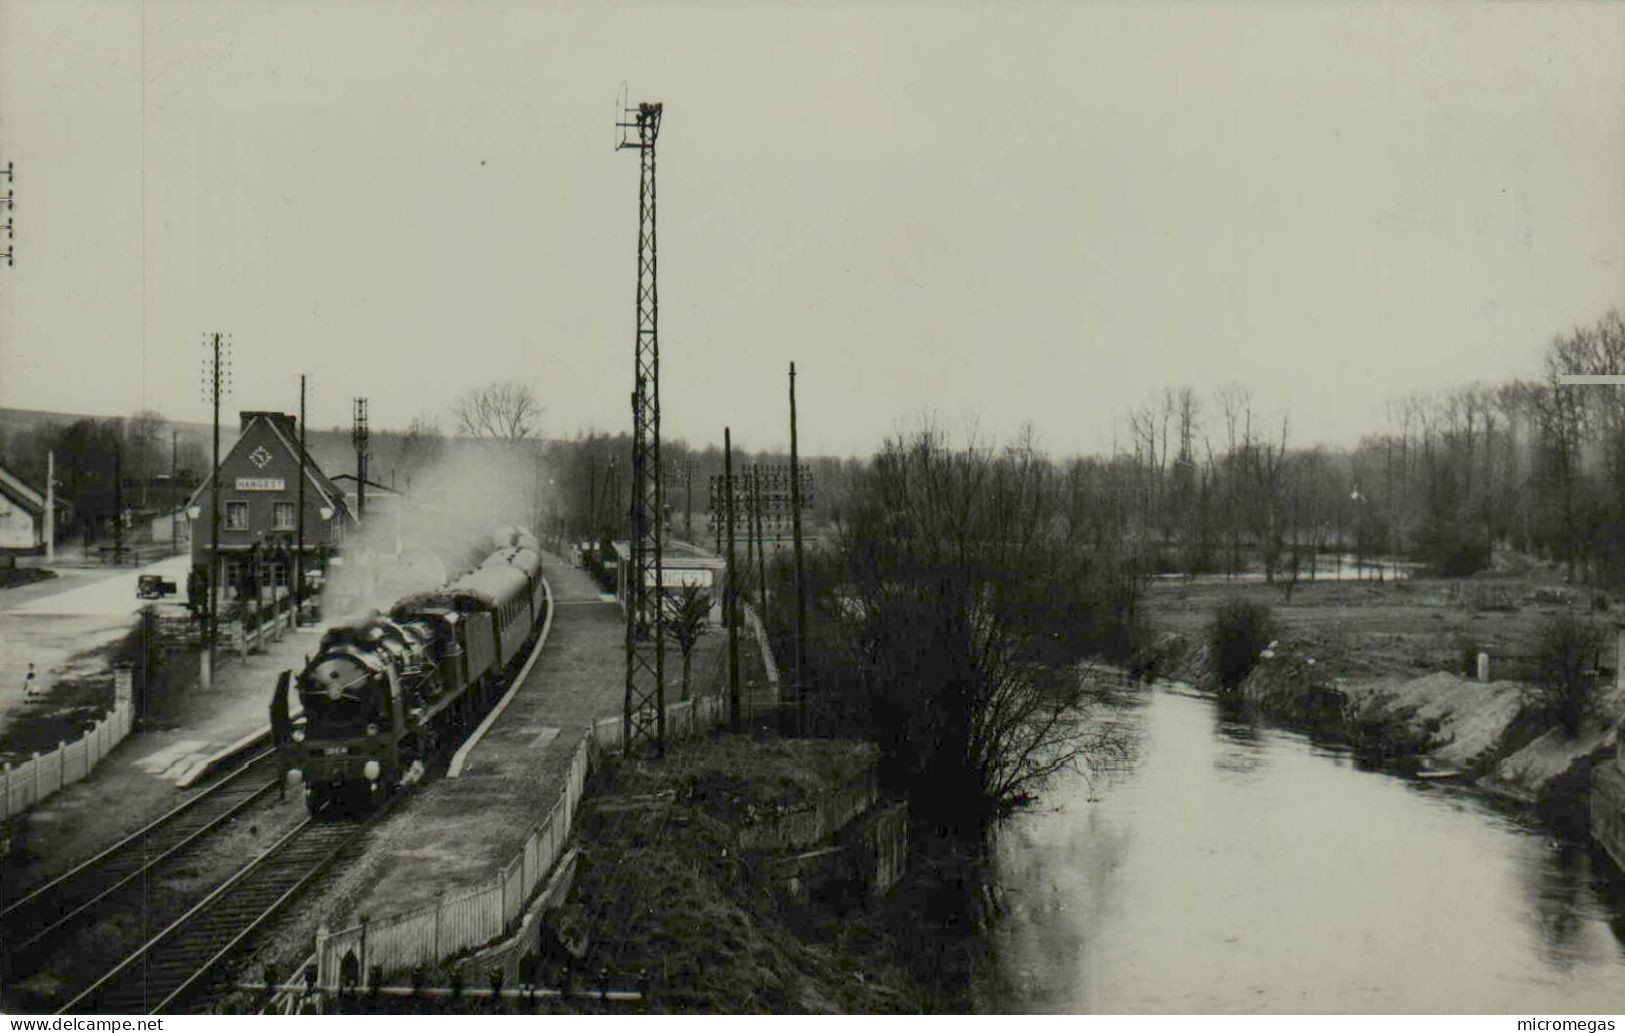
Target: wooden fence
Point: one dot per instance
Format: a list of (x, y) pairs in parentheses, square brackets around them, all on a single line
[(35, 779), (816, 822), (479, 914)]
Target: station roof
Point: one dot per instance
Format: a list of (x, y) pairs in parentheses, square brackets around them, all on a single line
[(677, 555), (282, 426), (21, 493)]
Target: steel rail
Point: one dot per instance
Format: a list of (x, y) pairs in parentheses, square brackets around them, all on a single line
[(60, 891), (14, 946), (172, 962)]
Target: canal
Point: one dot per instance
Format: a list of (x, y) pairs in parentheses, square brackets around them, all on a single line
[(1234, 868)]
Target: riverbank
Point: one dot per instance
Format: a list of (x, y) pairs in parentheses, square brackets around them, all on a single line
[(735, 874), (1375, 665)]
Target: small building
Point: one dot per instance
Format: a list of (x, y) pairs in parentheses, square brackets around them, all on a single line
[(380, 501), (679, 569), (22, 513), (259, 501)]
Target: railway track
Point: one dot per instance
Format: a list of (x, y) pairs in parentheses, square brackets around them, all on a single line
[(96, 886), (177, 961)]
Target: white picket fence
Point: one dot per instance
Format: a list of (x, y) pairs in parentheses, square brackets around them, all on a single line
[(35, 779), (484, 912)]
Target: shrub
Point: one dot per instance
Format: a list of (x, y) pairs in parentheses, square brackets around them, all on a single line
[(1568, 652), (1241, 629)]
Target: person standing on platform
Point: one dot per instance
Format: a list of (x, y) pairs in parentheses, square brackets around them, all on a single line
[(281, 731), (31, 685)]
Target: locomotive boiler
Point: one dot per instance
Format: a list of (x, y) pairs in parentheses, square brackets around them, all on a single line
[(383, 697)]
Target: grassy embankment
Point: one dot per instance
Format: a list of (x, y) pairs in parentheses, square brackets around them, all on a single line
[(1380, 666), (664, 891), (664, 887)]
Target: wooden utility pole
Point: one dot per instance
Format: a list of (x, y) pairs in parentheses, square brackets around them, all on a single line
[(730, 595), (174, 492), (801, 580), (757, 533), (212, 629), (118, 498), (50, 507), (299, 521)]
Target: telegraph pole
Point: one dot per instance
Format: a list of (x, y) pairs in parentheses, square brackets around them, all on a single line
[(50, 507), (8, 203), (299, 524), (758, 532), (688, 510), (644, 710), (801, 581), (215, 370), (174, 492), (730, 596), (118, 498)]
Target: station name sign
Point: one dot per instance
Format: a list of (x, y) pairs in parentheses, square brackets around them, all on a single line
[(261, 484), (680, 578)]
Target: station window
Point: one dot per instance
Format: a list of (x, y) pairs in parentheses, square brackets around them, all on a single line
[(234, 577), (236, 516), (282, 516), (276, 574)]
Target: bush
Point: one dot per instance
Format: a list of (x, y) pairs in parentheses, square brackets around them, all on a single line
[(1568, 653), (1241, 629)]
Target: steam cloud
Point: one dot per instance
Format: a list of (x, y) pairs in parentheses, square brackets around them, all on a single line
[(440, 526)]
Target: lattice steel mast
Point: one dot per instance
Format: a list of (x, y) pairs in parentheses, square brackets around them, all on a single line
[(645, 709), (360, 437)]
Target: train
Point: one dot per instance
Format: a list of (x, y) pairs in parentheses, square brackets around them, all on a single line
[(382, 696)]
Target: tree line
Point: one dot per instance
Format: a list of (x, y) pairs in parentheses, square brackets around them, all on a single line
[(1208, 484)]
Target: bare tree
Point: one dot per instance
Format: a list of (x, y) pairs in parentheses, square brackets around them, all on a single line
[(971, 594), (142, 434), (421, 445), (503, 410)]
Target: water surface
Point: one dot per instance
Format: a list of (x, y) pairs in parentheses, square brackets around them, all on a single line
[(1243, 869)]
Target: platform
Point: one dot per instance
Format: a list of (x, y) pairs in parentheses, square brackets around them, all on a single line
[(456, 832), (138, 779)]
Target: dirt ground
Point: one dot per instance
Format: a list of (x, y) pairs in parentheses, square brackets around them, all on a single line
[(1408, 627)]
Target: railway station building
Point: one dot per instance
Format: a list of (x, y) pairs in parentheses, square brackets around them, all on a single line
[(679, 568), (259, 502)]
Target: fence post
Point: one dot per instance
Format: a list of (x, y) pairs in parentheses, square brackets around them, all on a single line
[(61, 764), (38, 768), (439, 902), (5, 787), (322, 935)]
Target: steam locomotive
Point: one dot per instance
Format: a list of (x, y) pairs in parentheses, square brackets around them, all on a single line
[(382, 696)]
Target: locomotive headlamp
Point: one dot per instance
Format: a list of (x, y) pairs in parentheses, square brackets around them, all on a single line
[(372, 729), (295, 777), (371, 770), (298, 735)]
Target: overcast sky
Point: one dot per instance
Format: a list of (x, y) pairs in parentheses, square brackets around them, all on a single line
[(1000, 213)]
